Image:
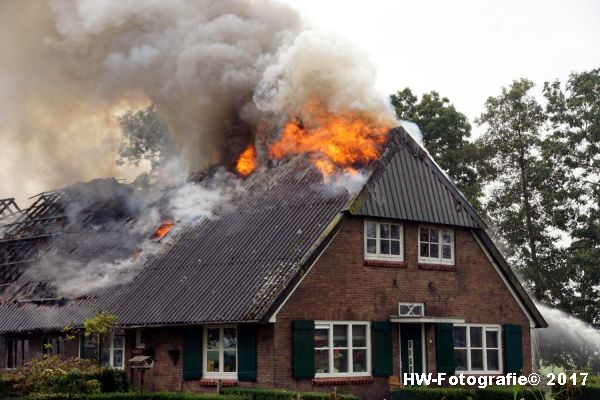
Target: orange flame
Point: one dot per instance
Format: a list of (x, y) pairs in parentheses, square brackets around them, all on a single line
[(246, 164), (334, 142), (163, 229)]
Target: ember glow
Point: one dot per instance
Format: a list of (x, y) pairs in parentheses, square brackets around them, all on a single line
[(164, 228), (334, 142), (246, 164)]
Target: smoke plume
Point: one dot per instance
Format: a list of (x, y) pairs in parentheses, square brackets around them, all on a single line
[(219, 72)]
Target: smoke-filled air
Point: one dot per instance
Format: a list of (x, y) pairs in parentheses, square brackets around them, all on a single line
[(222, 75)]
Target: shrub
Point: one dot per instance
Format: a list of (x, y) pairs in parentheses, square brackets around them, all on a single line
[(576, 392), (135, 396), (282, 394), (424, 393), (508, 393)]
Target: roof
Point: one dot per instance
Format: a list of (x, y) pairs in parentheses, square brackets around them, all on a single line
[(240, 264)]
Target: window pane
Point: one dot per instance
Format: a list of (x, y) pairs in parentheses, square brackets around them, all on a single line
[(460, 336), (340, 336), (322, 361), (493, 363), (371, 246), (359, 361), (118, 358), (371, 229), (491, 339), (229, 364), (229, 338), (433, 235), (460, 360), (340, 360), (384, 230), (424, 251), (359, 336), (434, 251), (119, 340), (395, 231), (212, 360), (476, 360), (446, 237), (424, 235), (447, 251), (321, 338), (384, 247), (395, 249), (105, 357), (476, 338), (212, 336)]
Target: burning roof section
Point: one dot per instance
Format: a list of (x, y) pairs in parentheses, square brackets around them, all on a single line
[(238, 264)]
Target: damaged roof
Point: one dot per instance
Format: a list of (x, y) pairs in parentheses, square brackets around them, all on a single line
[(240, 264)]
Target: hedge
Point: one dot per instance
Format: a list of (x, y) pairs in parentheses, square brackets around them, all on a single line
[(135, 396), (489, 393), (282, 394), (580, 392)]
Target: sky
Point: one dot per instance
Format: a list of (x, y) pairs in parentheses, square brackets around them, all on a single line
[(465, 50)]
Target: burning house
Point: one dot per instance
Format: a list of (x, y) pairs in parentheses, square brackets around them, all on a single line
[(293, 281)]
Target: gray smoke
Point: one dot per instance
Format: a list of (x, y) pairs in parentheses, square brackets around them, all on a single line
[(216, 70)]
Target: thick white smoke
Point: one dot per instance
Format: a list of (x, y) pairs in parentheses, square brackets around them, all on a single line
[(216, 71)]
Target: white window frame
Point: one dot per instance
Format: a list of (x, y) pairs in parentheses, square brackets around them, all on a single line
[(329, 325), (220, 374), (411, 304), (111, 348), (378, 255), (140, 340), (439, 259), (484, 348)]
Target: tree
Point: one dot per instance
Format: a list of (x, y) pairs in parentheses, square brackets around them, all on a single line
[(445, 135), (519, 203), (145, 138), (98, 328), (575, 139)]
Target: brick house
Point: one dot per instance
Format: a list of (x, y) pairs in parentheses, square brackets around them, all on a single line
[(300, 284)]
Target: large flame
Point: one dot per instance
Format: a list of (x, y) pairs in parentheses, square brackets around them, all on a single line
[(246, 164), (334, 142), (164, 228)]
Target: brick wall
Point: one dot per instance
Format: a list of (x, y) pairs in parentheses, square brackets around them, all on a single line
[(341, 287)]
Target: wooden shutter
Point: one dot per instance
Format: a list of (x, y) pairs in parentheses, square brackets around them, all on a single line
[(513, 348), (303, 356), (192, 354), (247, 353), (444, 346), (381, 345)]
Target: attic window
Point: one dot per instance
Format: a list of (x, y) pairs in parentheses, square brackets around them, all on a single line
[(384, 241), (436, 245)]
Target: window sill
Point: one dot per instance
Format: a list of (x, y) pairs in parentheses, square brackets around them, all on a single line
[(350, 380), (438, 267), (384, 264), (215, 382)]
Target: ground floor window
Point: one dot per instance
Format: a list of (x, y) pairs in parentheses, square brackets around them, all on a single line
[(112, 352), (342, 349), (477, 348), (220, 351), (50, 346), (17, 352)]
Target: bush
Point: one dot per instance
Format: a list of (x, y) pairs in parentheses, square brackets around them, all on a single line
[(135, 396), (579, 392), (424, 393), (282, 394), (508, 393)]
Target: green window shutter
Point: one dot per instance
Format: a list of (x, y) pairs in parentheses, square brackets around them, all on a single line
[(513, 349), (247, 353), (381, 345), (303, 356), (444, 345), (192, 354)]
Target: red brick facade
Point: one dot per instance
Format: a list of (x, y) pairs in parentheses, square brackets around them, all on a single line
[(341, 286)]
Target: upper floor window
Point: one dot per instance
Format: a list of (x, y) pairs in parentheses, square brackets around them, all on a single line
[(342, 349), (477, 349), (436, 245), (383, 241), (220, 351)]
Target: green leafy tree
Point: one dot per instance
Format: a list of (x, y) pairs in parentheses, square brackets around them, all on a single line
[(575, 141), (522, 187), (98, 327), (446, 133), (145, 138)]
